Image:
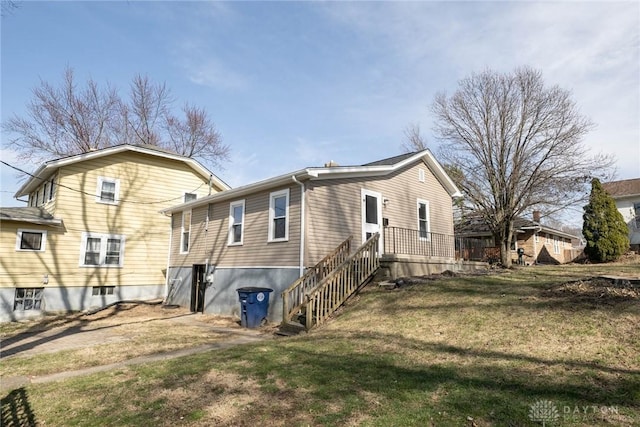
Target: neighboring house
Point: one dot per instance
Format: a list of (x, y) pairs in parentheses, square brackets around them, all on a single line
[(92, 233), (267, 233), (541, 244), (626, 193)]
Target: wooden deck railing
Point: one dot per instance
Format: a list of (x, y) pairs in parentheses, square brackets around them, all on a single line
[(294, 296), (339, 285)]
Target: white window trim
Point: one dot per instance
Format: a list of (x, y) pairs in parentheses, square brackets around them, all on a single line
[(232, 205), (556, 245), (19, 240), (426, 203), (272, 198), (103, 249), (182, 232), (116, 181)]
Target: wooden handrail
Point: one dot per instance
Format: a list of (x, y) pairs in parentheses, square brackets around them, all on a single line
[(333, 290), (293, 297)]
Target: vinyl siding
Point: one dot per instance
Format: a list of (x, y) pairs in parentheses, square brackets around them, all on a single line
[(147, 185), (211, 245), (334, 207)]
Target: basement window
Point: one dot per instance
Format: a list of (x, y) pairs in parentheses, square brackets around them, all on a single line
[(102, 290), (28, 299)]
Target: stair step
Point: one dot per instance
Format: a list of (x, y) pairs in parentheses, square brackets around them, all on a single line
[(289, 329)]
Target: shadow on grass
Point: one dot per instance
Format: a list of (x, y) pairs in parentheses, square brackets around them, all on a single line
[(330, 369), (16, 410), (464, 293), (37, 336)]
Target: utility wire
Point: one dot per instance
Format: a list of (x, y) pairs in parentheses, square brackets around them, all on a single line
[(93, 194)]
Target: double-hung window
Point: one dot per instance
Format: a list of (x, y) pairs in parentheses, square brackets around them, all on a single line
[(102, 250), (31, 240), (236, 222), (636, 212), (279, 216), (423, 220), (185, 237), (108, 190)]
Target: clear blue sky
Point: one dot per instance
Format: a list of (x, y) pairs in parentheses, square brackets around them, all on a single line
[(296, 84)]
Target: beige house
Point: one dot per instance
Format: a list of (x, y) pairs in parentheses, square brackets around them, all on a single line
[(267, 233), (92, 232), (533, 243), (626, 194)]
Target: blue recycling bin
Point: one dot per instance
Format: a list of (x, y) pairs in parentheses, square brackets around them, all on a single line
[(254, 306)]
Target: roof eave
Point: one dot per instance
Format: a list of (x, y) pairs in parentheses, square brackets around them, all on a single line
[(238, 192), (48, 168)]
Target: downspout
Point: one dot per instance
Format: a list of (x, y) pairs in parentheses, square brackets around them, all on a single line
[(166, 280), (302, 227)]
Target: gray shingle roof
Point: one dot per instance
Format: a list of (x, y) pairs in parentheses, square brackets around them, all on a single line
[(627, 187), (29, 214), (391, 160)]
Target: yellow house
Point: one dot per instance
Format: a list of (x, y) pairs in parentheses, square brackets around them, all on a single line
[(92, 232)]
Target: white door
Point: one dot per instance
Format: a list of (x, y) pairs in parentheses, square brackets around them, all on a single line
[(371, 216)]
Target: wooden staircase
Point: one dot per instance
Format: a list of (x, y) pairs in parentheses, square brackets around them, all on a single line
[(314, 297)]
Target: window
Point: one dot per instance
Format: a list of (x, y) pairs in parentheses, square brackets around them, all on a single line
[(423, 219), (236, 221), (421, 175), (45, 192), (278, 216), (188, 197), (102, 250), (636, 211), (52, 188), (536, 237), (102, 290), (28, 299), (108, 190), (186, 232), (31, 240)]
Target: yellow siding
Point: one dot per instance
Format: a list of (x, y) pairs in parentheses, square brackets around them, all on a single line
[(211, 244), (334, 207), (147, 185)]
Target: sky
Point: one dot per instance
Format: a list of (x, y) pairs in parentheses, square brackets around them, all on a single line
[(297, 84)]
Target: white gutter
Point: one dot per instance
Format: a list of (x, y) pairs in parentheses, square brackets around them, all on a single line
[(302, 228)]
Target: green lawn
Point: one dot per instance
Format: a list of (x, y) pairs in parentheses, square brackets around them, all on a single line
[(510, 349)]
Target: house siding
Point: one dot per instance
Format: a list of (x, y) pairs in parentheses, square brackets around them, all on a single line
[(211, 243), (257, 262), (334, 207), (147, 185)]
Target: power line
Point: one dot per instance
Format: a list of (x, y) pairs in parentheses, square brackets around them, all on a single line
[(93, 194)]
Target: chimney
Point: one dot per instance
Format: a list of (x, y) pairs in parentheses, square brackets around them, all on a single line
[(331, 164), (536, 216)]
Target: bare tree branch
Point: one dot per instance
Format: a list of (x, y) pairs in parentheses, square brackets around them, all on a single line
[(70, 119), (414, 141), (517, 145)]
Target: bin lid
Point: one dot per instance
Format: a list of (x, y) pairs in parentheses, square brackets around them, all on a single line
[(251, 289)]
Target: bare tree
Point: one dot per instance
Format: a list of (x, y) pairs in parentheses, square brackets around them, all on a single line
[(148, 110), (517, 145), (195, 135), (64, 120), (414, 141), (69, 120)]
